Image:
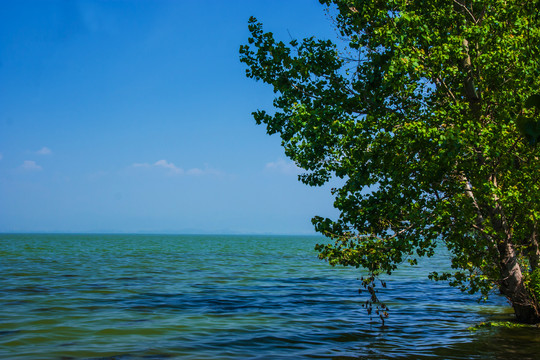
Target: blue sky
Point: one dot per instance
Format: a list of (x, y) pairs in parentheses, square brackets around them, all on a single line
[(135, 116)]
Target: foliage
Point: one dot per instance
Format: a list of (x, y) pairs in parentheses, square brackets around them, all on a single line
[(427, 116)]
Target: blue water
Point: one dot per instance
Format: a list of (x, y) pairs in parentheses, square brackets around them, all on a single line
[(228, 297)]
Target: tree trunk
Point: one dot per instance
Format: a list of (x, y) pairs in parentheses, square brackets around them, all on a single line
[(514, 289), (534, 251)]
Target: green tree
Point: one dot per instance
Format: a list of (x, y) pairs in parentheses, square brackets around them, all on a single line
[(421, 110)]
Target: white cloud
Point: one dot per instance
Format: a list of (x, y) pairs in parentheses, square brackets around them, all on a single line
[(30, 165), (44, 151), (195, 171), (178, 170), (283, 167), (169, 165), (141, 165), (206, 171)]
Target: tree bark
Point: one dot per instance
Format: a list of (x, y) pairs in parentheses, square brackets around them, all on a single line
[(470, 87), (513, 287), (534, 251)]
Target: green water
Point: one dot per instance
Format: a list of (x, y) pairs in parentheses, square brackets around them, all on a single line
[(228, 297)]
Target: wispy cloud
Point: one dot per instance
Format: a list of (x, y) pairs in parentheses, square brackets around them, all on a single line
[(178, 170), (140, 165), (283, 166), (44, 151), (169, 165), (30, 165), (1, 156), (206, 171), (195, 171), (160, 164)]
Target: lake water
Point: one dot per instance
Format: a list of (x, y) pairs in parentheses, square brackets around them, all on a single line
[(228, 297)]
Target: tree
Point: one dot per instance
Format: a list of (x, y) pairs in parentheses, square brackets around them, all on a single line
[(420, 109)]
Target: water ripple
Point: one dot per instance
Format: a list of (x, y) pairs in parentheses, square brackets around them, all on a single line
[(227, 297)]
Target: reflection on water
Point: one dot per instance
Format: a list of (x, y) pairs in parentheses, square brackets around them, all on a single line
[(228, 297)]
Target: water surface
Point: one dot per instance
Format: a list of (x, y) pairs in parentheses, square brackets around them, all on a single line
[(228, 297)]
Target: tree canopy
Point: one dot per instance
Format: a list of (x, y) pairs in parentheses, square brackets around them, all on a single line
[(429, 112)]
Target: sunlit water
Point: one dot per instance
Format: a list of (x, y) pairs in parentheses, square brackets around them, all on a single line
[(228, 297)]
